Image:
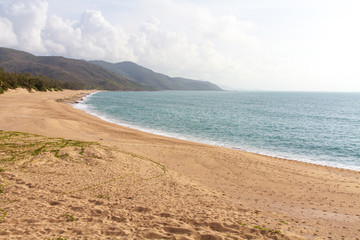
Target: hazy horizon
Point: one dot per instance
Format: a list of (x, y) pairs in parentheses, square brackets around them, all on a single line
[(248, 45)]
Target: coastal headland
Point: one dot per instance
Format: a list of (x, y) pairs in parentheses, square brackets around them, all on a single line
[(67, 173)]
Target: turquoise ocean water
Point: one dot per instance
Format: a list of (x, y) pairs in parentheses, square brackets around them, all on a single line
[(322, 128)]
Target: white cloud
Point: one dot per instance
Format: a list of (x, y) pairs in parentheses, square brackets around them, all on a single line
[(7, 36), (161, 48), (173, 53), (225, 30), (28, 18), (91, 38), (28, 27), (60, 36), (201, 44)]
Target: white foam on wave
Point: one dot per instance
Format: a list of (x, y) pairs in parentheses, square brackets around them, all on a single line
[(81, 105), (302, 158)]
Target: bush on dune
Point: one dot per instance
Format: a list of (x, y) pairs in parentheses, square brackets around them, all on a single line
[(27, 80)]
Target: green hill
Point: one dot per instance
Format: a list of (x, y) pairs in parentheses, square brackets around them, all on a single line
[(77, 74), (160, 81), (81, 74)]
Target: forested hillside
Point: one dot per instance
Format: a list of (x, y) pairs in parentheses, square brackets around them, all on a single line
[(27, 80)]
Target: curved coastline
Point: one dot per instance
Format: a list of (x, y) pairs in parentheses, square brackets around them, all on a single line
[(162, 186), (81, 105)]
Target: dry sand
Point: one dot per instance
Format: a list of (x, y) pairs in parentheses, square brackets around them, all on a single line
[(128, 184)]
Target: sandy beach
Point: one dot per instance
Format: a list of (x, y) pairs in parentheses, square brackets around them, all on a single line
[(70, 174)]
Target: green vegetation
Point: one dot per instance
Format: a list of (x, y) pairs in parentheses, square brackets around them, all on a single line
[(103, 197), (2, 214), (257, 227), (59, 238), (71, 73), (282, 221), (266, 229), (26, 80), (68, 217), (242, 224), (17, 146)]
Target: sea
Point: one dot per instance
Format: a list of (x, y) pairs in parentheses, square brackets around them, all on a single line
[(315, 127)]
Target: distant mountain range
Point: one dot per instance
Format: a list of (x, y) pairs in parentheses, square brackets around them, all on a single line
[(81, 74), (155, 80), (78, 73)]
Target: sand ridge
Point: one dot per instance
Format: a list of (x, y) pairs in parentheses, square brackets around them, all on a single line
[(199, 192)]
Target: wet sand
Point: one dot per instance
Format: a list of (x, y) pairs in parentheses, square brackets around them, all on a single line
[(134, 185)]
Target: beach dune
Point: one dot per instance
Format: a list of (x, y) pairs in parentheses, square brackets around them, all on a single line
[(74, 175)]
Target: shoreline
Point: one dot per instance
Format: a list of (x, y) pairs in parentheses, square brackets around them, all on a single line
[(223, 186), (79, 104)]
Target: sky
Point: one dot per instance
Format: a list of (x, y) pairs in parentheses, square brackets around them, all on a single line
[(276, 45)]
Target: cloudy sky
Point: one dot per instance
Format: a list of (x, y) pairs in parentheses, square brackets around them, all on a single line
[(296, 45)]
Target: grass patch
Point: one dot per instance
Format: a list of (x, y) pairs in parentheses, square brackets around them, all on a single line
[(2, 214), (241, 224), (257, 227), (38, 150), (282, 221), (103, 197), (18, 146), (18, 150), (267, 229)]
